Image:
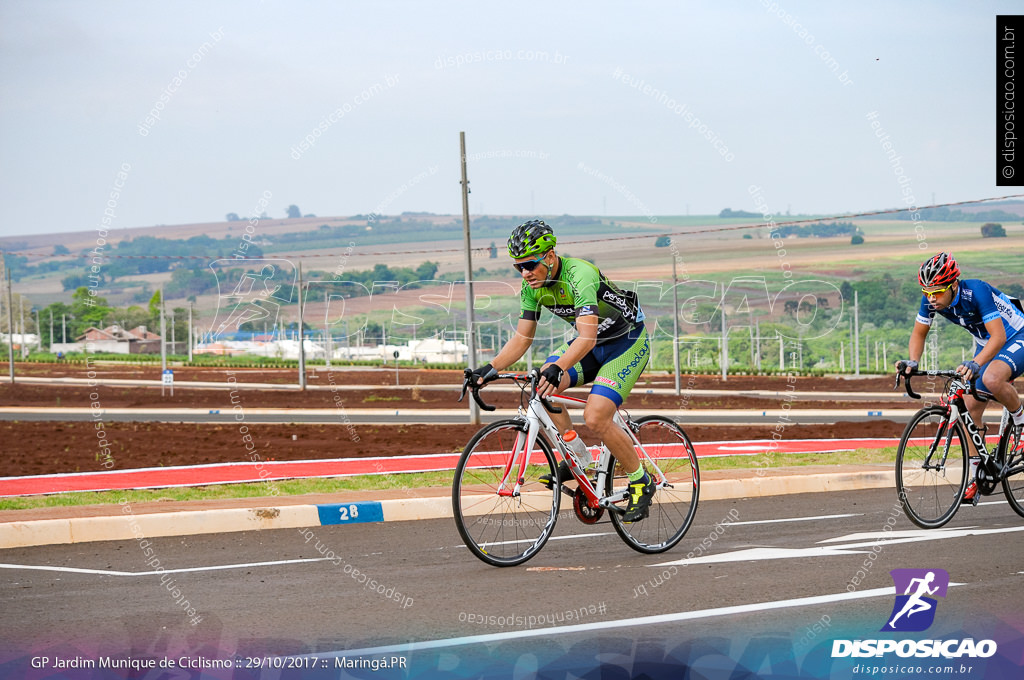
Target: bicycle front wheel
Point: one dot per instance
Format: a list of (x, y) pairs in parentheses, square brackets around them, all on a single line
[(931, 468), (675, 500), (1013, 456), (500, 528)]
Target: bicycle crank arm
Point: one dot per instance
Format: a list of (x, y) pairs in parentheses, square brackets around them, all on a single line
[(608, 502)]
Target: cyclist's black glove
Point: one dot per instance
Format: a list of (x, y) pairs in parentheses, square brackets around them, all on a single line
[(905, 366), (485, 372), (553, 374), (973, 369)]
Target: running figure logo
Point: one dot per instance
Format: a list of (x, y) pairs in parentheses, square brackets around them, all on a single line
[(251, 291), (913, 610)]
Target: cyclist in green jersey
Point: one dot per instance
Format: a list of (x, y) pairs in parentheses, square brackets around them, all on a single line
[(610, 349)]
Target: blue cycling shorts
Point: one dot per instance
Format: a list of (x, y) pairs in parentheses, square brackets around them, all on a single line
[(1011, 354)]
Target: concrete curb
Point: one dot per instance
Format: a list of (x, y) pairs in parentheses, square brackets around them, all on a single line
[(128, 524)]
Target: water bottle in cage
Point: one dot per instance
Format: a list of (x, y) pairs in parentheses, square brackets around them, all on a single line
[(579, 449)]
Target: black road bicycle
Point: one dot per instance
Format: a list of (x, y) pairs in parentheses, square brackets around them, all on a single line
[(933, 458)]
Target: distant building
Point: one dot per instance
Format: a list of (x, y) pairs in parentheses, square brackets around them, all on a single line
[(113, 340)]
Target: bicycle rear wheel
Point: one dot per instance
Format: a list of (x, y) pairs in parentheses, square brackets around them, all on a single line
[(931, 482), (504, 530), (1013, 482), (675, 501)]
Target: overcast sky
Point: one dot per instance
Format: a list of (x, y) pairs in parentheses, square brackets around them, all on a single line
[(584, 108)]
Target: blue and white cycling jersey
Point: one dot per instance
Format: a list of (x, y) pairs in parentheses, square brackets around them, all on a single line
[(977, 303)]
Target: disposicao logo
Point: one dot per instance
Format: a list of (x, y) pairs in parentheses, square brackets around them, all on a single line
[(914, 611)]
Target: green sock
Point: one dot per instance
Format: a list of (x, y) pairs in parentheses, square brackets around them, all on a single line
[(638, 475)]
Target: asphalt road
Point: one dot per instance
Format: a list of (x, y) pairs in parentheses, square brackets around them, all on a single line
[(770, 583)]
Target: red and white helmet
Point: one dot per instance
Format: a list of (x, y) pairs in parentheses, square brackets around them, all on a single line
[(941, 270)]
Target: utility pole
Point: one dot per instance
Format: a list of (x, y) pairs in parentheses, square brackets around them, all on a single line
[(163, 336), (474, 411), (725, 341), (327, 332), (51, 331), (675, 325), (757, 335), (21, 306), (10, 320), (302, 349), (190, 331), (856, 335)]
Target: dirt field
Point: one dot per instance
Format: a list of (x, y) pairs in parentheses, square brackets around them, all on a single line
[(56, 447)]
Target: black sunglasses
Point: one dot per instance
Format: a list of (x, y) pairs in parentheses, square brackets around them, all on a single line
[(529, 265)]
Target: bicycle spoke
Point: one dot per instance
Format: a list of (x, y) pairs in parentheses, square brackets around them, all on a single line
[(500, 528), (669, 457), (1009, 451), (931, 468)]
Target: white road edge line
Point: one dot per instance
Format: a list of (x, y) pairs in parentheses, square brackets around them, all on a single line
[(552, 538), (796, 519), (109, 572), (605, 625)]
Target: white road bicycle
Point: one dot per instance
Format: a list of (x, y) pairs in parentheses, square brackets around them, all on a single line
[(505, 512)]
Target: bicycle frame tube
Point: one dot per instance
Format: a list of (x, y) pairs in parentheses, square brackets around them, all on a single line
[(519, 453), (590, 490), (539, 418), (958, 411)]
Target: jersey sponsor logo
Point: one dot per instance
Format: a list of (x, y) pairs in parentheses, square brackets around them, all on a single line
[(587, 310), (563, 310), (637, 360), (606, 381), (616, 300), (621, 303)]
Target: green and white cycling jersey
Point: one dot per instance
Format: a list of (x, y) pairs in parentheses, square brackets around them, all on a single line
[(582, 290)]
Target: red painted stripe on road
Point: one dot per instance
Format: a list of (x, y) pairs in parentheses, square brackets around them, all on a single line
[(265, 471)]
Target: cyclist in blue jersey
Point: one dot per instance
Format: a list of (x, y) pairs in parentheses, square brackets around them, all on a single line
[(610, 350), (996, 322)]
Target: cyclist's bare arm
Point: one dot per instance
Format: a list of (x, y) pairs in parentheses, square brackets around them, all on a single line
[(586, 327), (516, 346), (917, 337)]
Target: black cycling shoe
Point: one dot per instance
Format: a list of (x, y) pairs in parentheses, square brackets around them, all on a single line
[(564, 475), (640, 494)]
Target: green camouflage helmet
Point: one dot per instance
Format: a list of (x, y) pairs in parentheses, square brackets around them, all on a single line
[(530, 238)]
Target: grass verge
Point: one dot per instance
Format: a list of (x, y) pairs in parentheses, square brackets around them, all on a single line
[(299, 487)]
